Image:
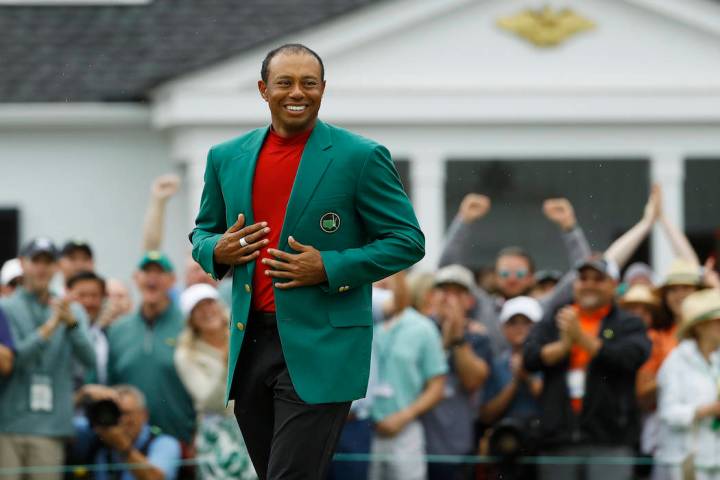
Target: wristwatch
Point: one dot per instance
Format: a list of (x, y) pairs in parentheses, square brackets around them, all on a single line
[(458, 343)]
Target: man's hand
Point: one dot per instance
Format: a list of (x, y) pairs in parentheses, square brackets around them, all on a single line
[(454, 320), (473, 207), (95, 392), (115, 438), (560, 211), (65, 312), (517, 368), (393, 424), (7, 358), (165, 186), (569, 324), (229, 251), (303, 269)]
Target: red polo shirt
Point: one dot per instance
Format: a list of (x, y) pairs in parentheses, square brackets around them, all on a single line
[(275, 173)]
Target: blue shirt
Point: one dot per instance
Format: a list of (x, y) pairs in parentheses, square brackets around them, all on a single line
[(163, 452), (5, 335), (408, 354), (524, 405), (449, 427)]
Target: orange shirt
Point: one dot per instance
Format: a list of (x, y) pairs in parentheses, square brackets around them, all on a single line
[(663, 342), (275, 171), (579, 358)]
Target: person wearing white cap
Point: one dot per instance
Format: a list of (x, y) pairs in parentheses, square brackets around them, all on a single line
[(201, 362), (510, 390), (10, 276), (689, 401)]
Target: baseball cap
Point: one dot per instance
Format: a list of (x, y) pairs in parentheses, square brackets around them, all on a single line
[(195, 294), (455, 275), (548, 275), (526, 306), (156, 257), (37, 246), (600, 264), (11, 270), (76, 244)]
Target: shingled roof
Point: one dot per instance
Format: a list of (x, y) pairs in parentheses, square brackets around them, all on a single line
[(117, 53)]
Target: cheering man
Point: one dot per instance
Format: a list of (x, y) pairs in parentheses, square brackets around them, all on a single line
[(315, 215)]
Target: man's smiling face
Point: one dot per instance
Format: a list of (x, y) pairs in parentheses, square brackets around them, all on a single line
[(294, 91)]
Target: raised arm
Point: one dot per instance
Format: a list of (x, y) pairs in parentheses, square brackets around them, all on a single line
[(624, 247), (561, 212), (163, 188), (678, 240), (458, 246)]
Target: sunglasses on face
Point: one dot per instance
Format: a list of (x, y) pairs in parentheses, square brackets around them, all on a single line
[(519, 274)]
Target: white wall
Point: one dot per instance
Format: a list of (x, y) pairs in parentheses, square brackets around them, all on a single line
[(93, 183)]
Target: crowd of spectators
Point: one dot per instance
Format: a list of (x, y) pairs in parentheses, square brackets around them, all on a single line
[(495, 363)]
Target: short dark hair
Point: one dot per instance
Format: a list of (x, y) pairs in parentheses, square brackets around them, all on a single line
[(296, 48), (81, 276), (517, 252)]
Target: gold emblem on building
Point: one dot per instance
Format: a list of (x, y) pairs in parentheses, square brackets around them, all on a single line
[(546, 27)]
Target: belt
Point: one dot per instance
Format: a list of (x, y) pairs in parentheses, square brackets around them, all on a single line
[(267, 319)]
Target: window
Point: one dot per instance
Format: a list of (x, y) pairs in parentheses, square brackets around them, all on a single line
[(608, 196)]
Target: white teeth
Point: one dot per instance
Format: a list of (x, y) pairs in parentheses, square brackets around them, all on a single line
[(296, 108)]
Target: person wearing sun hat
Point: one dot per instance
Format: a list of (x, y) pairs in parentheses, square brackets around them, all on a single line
[(201, 362), (644, 302), (689, 401), (682, 278)]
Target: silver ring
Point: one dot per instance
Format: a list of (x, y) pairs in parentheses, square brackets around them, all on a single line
[(243, 242)]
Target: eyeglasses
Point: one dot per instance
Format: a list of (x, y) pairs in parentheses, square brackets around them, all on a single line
[(519, 274)]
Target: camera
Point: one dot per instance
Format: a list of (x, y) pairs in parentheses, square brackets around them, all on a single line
[(102, 413)]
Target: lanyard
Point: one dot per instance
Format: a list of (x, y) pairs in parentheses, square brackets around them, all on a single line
[(384, 352)]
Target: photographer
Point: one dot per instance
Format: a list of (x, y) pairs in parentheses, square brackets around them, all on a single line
[(115, 430)]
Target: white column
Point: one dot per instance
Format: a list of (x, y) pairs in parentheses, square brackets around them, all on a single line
[(427, 173), (195, 175), (667, 168)]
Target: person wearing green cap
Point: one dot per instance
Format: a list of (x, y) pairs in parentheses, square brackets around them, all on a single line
[(308, 215), (142, 346)]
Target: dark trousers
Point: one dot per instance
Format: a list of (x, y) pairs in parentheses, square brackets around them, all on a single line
[(285, 437)]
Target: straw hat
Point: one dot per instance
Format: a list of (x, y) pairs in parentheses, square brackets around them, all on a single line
[(640, 295), (682, 272), (699, 307)]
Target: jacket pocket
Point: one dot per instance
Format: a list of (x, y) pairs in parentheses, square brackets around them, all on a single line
[(349, 318)]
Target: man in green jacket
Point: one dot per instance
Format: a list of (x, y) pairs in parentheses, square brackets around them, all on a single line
[(315, 215)]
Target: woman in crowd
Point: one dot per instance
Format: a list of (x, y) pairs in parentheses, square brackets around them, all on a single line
[(688, 402), (643, 301), (201, 362)]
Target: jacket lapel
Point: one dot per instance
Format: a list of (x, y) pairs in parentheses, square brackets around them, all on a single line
[(315, 160), (245, 164)]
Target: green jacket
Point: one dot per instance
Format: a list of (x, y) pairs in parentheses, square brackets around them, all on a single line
[(325, 330)]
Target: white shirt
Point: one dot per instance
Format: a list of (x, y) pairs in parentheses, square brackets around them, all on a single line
[(687, 381)]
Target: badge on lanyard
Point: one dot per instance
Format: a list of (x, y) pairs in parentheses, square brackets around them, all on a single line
[(576, 383), (384, 390), (41, 393)]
